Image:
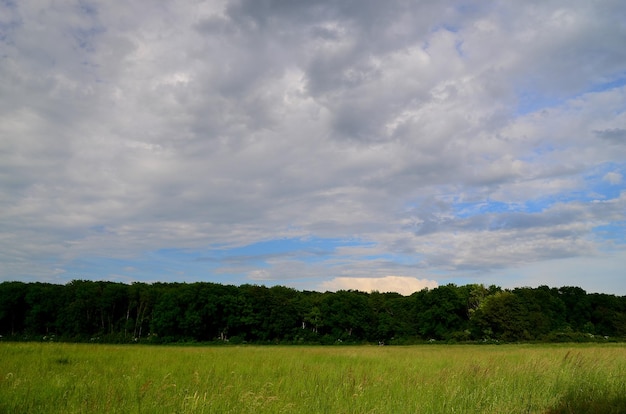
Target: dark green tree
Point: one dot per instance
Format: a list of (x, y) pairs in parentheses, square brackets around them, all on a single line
[(443, 312), (346, 315), (502, 316), (577, 307), (13, 307), (43, 301)]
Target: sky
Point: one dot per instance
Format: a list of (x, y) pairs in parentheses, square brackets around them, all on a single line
[(373, 145)]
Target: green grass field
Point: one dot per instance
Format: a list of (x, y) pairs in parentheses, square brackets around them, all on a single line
[(81, 378)]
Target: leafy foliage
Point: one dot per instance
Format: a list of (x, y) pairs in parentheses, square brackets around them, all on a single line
[(180, 312)]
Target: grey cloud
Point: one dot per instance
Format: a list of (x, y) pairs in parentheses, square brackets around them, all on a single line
[(367, 13), (189, 124), (547, 219), (426, 221), (613, 135), (498, 240)]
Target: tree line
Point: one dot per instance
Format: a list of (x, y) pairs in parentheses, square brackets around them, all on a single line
[(208, 312)]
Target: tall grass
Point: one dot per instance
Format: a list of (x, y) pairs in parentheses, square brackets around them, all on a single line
[(80, 378)]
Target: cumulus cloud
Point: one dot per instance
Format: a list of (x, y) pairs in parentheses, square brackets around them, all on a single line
[(404, 285)]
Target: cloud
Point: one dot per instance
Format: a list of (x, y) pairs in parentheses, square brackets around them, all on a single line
[(404, 285), (613, 178), (614, 135), (442, 138)]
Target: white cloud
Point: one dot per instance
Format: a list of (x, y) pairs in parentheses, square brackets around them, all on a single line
[(613, 178), (405, 285)]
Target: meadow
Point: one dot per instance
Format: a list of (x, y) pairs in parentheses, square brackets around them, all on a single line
[(95, 378)]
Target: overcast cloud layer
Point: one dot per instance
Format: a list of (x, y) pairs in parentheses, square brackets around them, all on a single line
[(315, 144)]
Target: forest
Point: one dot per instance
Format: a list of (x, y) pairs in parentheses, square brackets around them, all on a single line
[(101, 311)]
